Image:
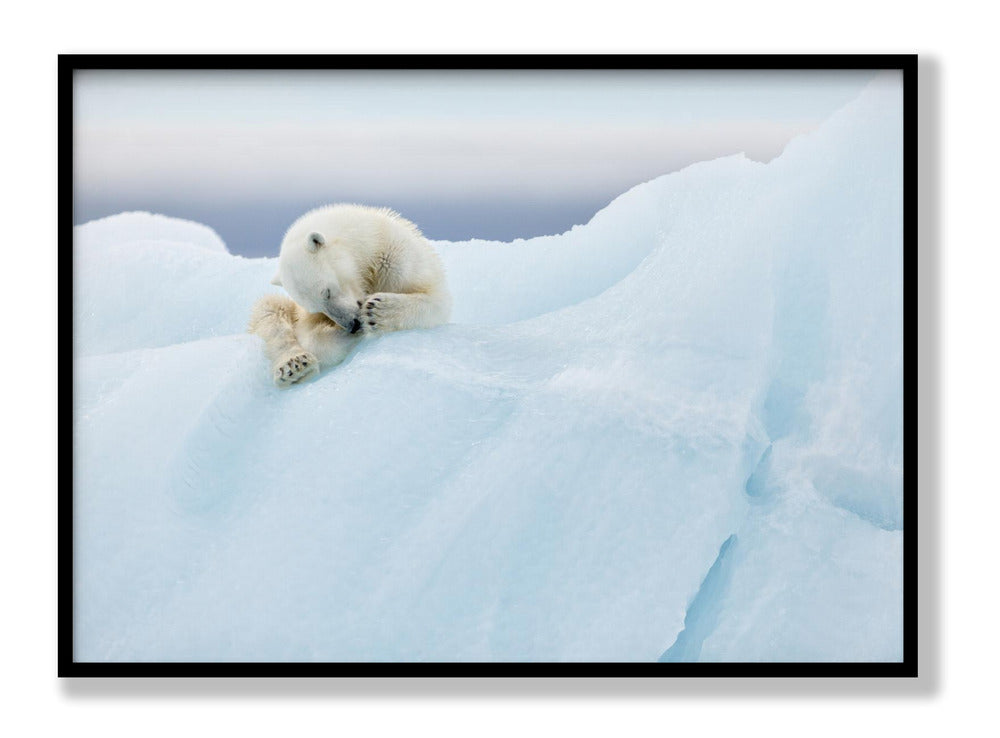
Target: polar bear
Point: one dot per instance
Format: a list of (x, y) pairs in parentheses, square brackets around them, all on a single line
[(351, 270)]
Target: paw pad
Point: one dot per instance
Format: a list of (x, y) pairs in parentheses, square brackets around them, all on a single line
[(295, 369)]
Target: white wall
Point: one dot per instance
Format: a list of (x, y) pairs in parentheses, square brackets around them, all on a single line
[(958, 304)]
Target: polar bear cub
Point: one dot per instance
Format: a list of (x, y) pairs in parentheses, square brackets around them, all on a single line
[(350, 270)]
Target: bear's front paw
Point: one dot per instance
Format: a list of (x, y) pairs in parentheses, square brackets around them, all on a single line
[(295, 368), (379, 313)]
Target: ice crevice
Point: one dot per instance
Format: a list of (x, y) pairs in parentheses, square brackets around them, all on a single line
[(703, 612)]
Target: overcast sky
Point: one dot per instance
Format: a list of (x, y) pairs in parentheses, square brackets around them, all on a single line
[(447, 144)]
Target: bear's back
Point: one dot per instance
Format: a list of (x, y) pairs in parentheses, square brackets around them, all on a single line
[(359, 223)]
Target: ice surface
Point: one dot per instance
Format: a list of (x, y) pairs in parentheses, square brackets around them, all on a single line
[(144, 280), (674, 433)]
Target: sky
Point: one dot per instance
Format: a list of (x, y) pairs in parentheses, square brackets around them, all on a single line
[(464, 154)]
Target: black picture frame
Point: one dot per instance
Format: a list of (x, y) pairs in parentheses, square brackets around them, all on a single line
[(70, 63)]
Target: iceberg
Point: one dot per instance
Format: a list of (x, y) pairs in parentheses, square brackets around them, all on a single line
[(671, 434)]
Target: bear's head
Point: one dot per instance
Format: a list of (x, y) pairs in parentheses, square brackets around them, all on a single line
[(319, 276)]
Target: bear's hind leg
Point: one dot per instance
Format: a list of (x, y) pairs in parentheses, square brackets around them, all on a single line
[(325, 339), (274, 319)]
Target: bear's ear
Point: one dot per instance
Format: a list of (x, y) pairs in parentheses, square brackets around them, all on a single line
[(315, 241), (276, 279)]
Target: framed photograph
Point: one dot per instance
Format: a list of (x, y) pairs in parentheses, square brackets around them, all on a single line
[(487, 365)]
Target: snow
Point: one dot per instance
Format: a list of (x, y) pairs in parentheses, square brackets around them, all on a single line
[(674, 433)]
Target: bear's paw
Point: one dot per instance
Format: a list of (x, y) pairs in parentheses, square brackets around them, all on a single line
[(295, 368), (381, 312)]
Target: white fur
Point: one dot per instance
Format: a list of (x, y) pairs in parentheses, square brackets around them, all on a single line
[(347, 267)]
